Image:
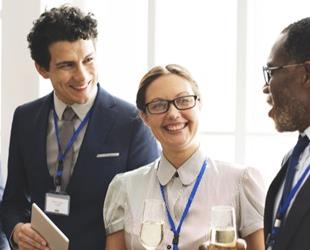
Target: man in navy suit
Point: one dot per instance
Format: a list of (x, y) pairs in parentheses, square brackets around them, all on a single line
[(109, 138), (287, 85)]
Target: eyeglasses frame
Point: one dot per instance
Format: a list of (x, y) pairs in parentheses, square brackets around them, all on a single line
[(196, 98), (268, 70)]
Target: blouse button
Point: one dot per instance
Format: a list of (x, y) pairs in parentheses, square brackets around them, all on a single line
[(169, 247)]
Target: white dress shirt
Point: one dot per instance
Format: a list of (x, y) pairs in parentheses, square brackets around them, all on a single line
[(221, 184), (81, 111)]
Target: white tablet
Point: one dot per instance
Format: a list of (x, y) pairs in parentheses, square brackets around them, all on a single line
[(40, 222)]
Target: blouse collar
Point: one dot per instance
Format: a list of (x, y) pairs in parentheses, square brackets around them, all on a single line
[(187, 173)]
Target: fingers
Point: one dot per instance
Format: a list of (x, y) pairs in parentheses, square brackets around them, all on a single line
[(26, 238), (204, 246), (241, 244)]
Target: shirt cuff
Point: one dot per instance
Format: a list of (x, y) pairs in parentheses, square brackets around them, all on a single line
[(12, 243), (113, 228), (252, 229)]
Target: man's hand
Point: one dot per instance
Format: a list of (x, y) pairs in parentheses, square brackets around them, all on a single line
[(28, 239), (241, 245)]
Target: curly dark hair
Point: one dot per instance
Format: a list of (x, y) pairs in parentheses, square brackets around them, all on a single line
[(65, 23), (297, 44), (157, 72)]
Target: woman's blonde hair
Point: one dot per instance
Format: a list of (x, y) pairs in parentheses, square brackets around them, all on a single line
[(157, 72)]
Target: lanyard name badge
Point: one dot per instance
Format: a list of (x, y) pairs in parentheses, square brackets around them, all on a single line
[(282, 209), (58, 202), (176, 231)]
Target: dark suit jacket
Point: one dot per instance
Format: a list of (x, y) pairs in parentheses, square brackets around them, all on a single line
[(113, 127), (294, 233)]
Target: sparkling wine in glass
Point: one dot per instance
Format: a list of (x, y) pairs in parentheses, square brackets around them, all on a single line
[(223, 226), (151, 234)]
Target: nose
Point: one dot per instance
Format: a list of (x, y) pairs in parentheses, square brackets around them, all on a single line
[(173, 112), (266, 89), (80, 73)]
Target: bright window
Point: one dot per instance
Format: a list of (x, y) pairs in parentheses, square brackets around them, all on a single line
[(223, 43)]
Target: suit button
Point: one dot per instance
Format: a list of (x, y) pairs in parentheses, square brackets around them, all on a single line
[(169, 247)]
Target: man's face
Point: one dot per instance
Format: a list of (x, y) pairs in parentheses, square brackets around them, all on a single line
[(72, 70), (285, 90)]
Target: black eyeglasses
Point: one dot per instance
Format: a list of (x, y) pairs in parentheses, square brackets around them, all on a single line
[(162, 106), (267, 71)]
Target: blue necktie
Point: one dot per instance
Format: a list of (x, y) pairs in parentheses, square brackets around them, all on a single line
[(293, 161)]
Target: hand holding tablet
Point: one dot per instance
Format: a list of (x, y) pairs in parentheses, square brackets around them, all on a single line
[(40, 222)]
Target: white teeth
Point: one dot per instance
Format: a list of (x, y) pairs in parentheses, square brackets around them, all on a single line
[(80, 87), (174, 127)]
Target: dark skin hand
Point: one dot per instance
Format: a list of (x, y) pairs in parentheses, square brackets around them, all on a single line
[(241, 245)]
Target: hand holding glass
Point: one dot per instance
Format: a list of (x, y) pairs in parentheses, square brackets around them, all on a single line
[(223, 227), (151, 234)]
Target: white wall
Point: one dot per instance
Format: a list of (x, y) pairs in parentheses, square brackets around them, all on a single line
[(19, 81)]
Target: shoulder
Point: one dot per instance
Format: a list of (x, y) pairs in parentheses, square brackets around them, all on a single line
[(30, 110), (116, 104), (237, 174), (223, 168), (130, 183), (35, 105), (139, 175)]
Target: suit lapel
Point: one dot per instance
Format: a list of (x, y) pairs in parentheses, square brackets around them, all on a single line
[(299, 208), (41, 136), (98, 127), (271, 197)]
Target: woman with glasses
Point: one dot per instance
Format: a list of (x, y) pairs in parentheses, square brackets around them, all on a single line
[(184, 178)]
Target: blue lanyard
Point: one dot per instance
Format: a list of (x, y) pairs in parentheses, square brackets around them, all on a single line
[(62, 152), (284, 205), (176, 232)]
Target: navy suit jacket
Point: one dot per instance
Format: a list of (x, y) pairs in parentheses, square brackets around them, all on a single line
[(294, 233), (113, 127)]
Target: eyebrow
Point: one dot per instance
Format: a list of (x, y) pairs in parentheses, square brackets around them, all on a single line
[(89, 55), (184, 93), (72, 62), (64, 63)]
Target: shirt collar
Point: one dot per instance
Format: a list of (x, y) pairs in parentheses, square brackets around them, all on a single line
[(188, 172), (306, 132), (80, 110)]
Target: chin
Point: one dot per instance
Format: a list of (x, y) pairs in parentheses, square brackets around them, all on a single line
[(279, 128), (286, 126), (82, 101)]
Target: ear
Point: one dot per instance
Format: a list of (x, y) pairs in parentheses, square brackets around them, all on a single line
[(199, 103), (144, 118), (307, 75), (42, 71)]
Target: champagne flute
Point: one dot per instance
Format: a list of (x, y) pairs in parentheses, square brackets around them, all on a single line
[(223, 226), (151, 234)]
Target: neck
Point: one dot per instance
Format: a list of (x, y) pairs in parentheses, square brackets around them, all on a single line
[(178, 157)]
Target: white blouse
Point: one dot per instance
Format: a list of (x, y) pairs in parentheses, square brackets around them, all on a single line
[(222, 184)]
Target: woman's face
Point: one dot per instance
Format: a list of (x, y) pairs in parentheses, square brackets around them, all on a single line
[(176, 130)]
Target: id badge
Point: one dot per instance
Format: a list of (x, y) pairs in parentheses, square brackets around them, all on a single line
[(56, 203)]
